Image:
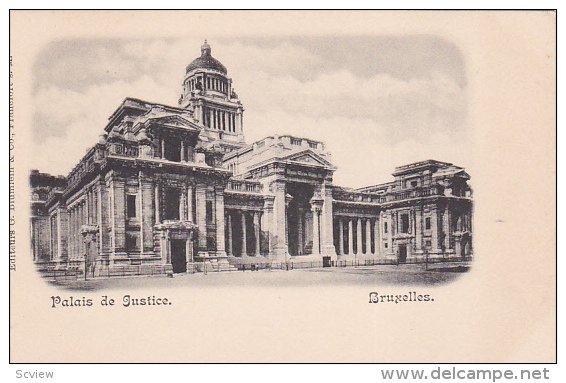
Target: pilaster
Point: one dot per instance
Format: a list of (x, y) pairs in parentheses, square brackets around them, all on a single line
[(201, 219), (219, 207), (327, 230), (146, 213), (279, 236)]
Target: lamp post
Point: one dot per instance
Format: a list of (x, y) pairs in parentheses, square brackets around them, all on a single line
[(85, 257), (426, 257)]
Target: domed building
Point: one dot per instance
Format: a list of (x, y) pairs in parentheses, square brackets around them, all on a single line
[(208, 92), (174, 189)]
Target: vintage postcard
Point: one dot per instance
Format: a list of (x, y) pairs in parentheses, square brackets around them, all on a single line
[(290, 186)]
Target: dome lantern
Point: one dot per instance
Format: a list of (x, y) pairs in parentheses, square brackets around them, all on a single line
[(205, 49), (206, 61)]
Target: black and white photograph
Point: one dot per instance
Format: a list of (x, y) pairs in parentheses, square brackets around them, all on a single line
[(177, 189), (238, 186)]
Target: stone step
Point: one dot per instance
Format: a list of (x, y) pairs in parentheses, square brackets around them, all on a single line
[(213, 266)]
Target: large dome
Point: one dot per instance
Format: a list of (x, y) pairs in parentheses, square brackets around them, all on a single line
[(206, 61)]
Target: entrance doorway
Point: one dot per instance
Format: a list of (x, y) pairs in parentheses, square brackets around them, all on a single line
[(402, 256), (179, 255), (300, 219)]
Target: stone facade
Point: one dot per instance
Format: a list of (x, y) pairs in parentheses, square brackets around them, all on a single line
[(167, 189)]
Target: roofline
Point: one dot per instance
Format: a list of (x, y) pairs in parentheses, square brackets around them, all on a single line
[(122, 106), (249, 147)]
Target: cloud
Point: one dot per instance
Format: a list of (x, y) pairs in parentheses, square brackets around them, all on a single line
[(72, 121), (376, 121), (360, 147), (416, 107)]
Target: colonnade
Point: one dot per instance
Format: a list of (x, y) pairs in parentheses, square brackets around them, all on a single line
[(237, 221), (364, 242), (221, 119)]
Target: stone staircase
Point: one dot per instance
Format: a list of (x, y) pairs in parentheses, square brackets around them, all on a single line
[(214, 265)]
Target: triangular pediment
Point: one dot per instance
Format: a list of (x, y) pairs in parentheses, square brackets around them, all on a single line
[(173, 121), (308, 157)]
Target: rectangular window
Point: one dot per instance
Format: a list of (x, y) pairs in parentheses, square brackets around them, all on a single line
[(385, 227), (386, 245), (171, 204), (131, 205), (209, 211), (428, 244), (404, 223), (427, 223), (173, 149)]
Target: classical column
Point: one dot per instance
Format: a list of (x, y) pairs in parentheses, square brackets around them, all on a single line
[(162, 148), (104, 218), (267, 224), (139, 210), (219, 207), (300, 231), (327, 222), (390, 232), (239, 121), (71, 236), (340, 236), (368, 236), (75, 236), (279, 221), (229, 233), (446, 227), (117, 189), (80, 208), (189, 248), (182, 203), (62, 224), (257, 232), (182, 150), (157, 202), (315, 230), (184, 197), (418, 228), (244, 236), (77, 231), (350, 236), (147, 218), (71, 232), (434, 226), (359, 236), (288, 199), (87, 204), (98, 208), (190, 215), (201, 218), (377, 235)]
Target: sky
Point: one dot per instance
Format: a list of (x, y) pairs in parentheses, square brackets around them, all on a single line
[(376, 101)]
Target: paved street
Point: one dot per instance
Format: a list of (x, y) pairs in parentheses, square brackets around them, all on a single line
[(414, 275)]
